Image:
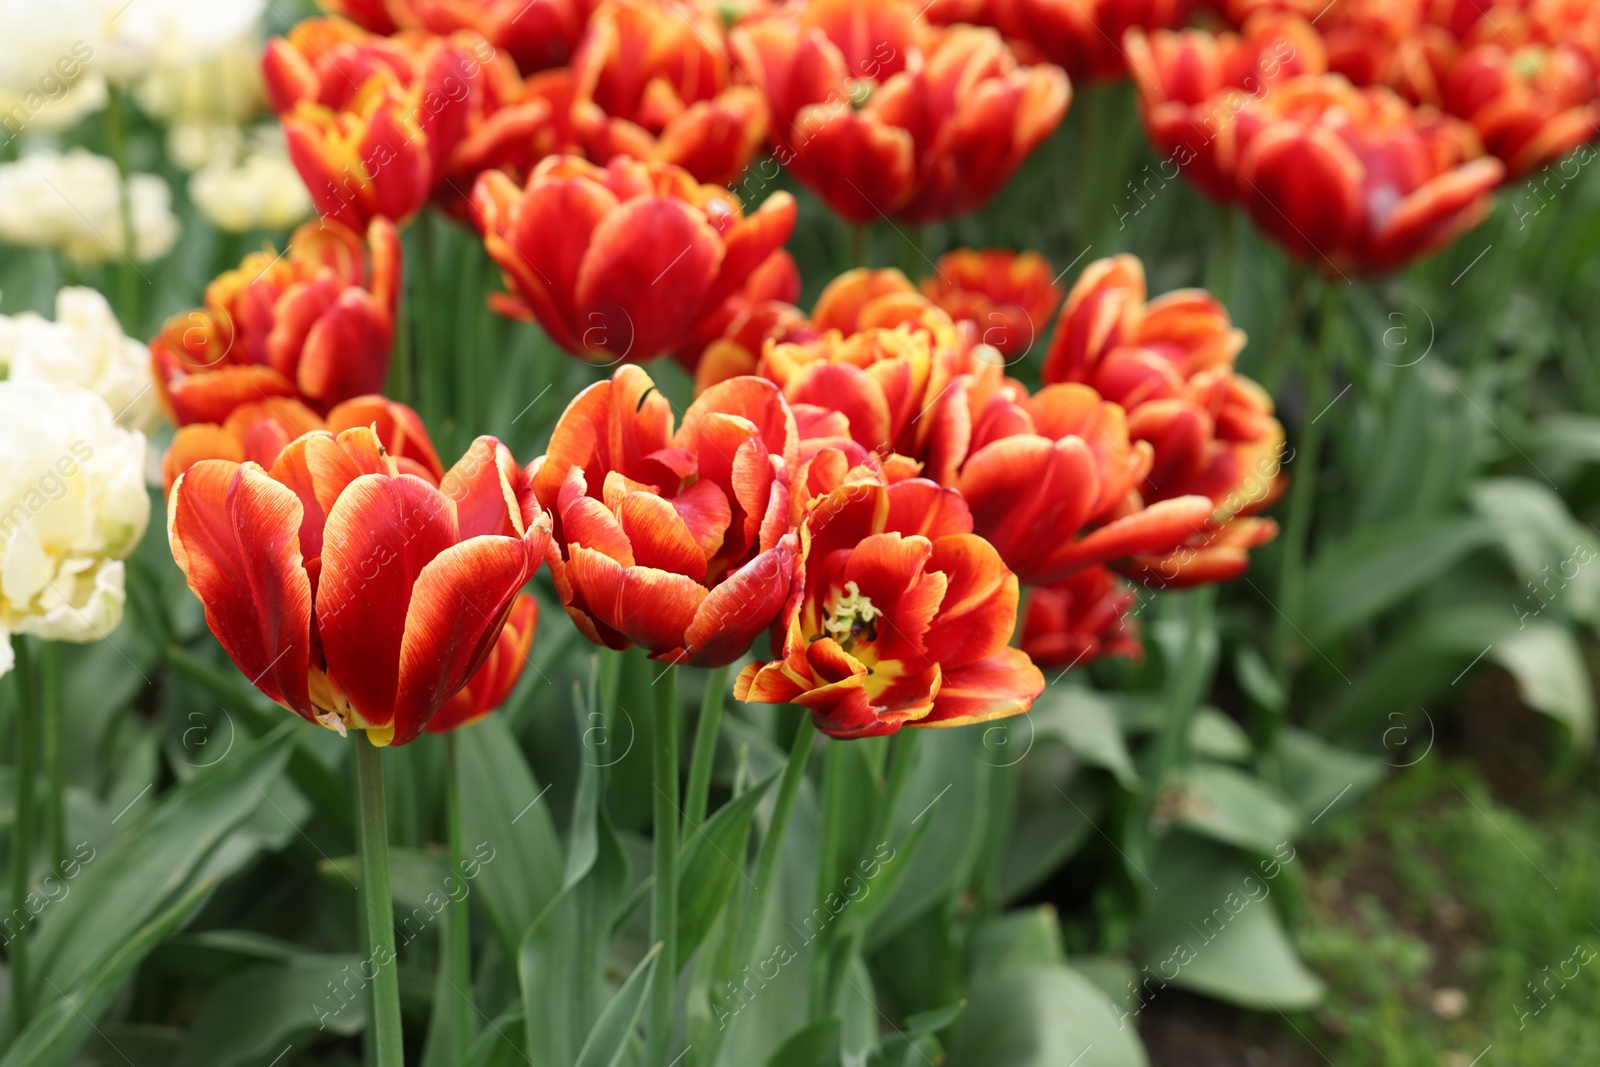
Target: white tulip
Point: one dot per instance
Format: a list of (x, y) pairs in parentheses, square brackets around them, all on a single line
[(73, 506), (144, 36), (73, 202), (261, 190), (85, 346)]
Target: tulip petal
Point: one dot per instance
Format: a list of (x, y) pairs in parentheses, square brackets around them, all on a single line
[(979, 609), (1002, 685)]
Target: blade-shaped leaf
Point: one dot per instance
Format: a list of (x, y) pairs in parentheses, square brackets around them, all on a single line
[(815, 1046), (713, 863), (609, 1039), (257, 1011)]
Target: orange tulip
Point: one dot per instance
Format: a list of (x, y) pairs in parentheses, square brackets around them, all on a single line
[(259, 432), (776, 282), (677, 542), (883, 115), (621, 262), (901, 617), (1009, 297), (1079, 620), (498, 676), (354, 594), (1085, 36), (653, 81), (315, 324)]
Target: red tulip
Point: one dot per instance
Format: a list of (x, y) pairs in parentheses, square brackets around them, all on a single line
[(314, 324), (1009, 297), (261, 430), (1531, 104), (654, 81), (621, 262), (882, 115), (490, 687), (775, 282), (901, 617), (677, 542), (1169, 364), (1084, 36), (538, 34), (356, 595), (1079, 620)]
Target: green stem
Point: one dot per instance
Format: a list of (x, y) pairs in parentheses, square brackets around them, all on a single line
[(1182, 698), (378, 905), (55, 811), (1283, 333), (456, 949), (664, 916), (744, 947), (22, 828), (117, 141), (705, 749), (835, 799), (858, 245), (1303, 495)]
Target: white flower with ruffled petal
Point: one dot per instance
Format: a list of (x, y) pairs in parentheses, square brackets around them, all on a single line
[(85, 346)]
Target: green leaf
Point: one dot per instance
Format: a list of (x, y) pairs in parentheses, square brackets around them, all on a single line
[(1211, 928), (1257, 679), (1216, 736), (1016, 940), (124, 884), (66, 1022), (1043, 1016), (1548, 666), (712, 864), (1232, 806), (1055, 813), (817, 1045), (1086, 723), (256, 1012), (413, 875), (1314, 774), (1380, 566), (503, 808), (609, 1038)]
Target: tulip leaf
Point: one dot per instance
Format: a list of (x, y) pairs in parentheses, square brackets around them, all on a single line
[(1086, 722), (1017, 939), (504, 808), (608, 1041), (1214, 735), (1055, 812), (1043, 1016), (413, 875), (1548, 666), (815, 1046), (1211, 928), (1234, 807), (157, 856), (712, 864), (252, 1014), (66, 1021), (495, 1045)]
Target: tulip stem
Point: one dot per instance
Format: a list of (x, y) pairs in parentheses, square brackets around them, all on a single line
[(664, 895), (1282, 334), (705, 749), (858, 245), (744, 947), (456, 950), (22, 828), (54, 756), (378, 905)]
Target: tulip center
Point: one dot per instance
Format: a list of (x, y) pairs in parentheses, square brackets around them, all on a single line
[(851, 618)]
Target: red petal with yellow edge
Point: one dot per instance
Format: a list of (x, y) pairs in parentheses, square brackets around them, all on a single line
[(703, 507), (918, 506), (749, 242), (211, 395), (1000, 686), (455, 613), (1029, 495), (646, 277), (742, 605), (852, 392), (892, 572), (482, 486), (380, 534), (1158, 528), (235, 535), (649, 608), (660, 538), (399, 429), (861, 166), (346, 353), (979, 610), (755, 399), (191, 444), (489, 688), (1302, 185)]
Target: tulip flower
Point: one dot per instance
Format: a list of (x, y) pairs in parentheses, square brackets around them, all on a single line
[(677, 542), (354, 594), (490, 687), (1009, 297), (902, 617), (538, 34), (1085, 36), (315, 324), (73, 506), (1530, 104), (883, 115), (1077, 621), (621, 262), (654, 81), (1356, 178), (775, 282), (259, 431), (1169, 364), (85, 346), (1194, 84)]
